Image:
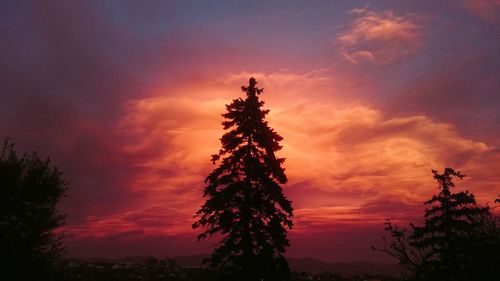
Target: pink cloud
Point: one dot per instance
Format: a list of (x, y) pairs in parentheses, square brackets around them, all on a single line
[(144, 222), (137, 170), (350, 150), (358, 165), (486, 9), (379, 37)]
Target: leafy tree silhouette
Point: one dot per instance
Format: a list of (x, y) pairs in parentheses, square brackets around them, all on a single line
[(458, 241), (245, 203), (29, 192)]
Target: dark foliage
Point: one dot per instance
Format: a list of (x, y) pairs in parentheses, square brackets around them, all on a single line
[(245, 203), (458, 241), (29, 192)]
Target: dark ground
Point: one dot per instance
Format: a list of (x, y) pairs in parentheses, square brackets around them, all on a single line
[(187, 268)]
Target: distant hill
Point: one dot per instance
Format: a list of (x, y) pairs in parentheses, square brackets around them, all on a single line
[(190, 261), (130, 259), (315, 265), (296, 264), (358, 267)]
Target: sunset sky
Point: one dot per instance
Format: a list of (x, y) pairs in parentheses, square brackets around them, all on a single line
[(126, 98)]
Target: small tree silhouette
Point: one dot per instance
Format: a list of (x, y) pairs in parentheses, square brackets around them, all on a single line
[(245, 203), (458, 241), (29, 192)]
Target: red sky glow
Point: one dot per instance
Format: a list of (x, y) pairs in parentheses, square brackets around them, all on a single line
[(127, 98)]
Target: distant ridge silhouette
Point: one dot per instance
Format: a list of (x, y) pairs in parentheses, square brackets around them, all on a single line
[(306, 264)]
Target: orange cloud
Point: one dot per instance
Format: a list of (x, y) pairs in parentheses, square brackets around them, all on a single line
[(346, 163), (340, 148), (379, 37)]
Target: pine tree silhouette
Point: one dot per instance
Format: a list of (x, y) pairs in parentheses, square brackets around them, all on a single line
[(245, 203), (448, 233), (459, 240)]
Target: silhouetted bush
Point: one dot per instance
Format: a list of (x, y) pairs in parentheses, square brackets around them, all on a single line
[(30, 189)]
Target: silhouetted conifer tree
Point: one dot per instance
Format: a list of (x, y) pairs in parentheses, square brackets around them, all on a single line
[(29, 192), (448, 234), (245, 203), (458, 241)]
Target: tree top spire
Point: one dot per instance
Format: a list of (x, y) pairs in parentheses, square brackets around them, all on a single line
[(252, 82), (252, 90)]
